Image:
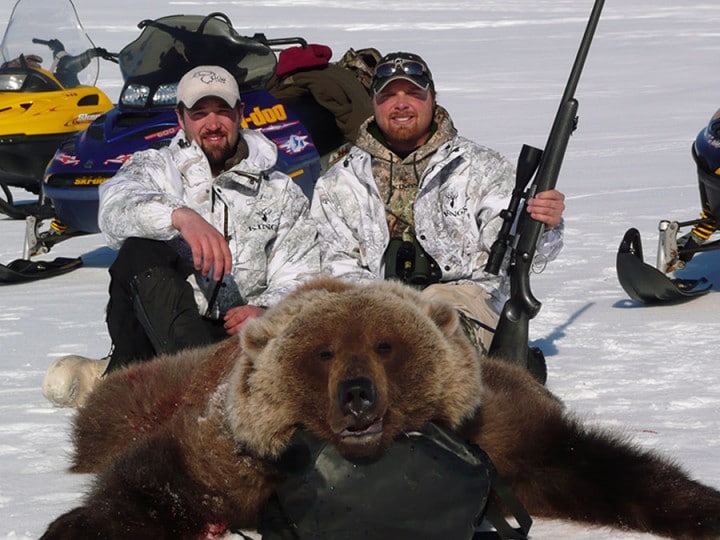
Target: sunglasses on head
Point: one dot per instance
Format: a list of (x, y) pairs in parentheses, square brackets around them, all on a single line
[(400, 66)]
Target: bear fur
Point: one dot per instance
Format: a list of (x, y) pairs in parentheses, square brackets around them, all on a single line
[(185, 446)]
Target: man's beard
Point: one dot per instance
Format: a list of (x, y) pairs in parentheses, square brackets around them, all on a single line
[(404, 136), (217, 155)]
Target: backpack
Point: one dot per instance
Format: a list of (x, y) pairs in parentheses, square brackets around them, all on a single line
[(429, 484), (362, 63)]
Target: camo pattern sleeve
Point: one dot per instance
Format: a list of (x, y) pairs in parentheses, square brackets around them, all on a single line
[(350, 219), (292, 255), (140, 198)]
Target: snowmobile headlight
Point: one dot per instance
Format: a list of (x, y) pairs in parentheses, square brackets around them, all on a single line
[(12, 81), (135, 95), (166, 94)]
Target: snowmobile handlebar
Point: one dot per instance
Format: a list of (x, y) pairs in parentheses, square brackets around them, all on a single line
[(511, 335), (57, 46), (275, 42)]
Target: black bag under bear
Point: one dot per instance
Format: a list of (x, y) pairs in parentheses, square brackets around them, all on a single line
[(428, 485)]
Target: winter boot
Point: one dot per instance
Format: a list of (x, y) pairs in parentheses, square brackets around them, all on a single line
[(70, 379)]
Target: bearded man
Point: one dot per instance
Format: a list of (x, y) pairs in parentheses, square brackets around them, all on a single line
[(209, 233), (413, 200)]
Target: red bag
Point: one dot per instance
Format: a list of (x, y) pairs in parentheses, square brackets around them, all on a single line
[(300, 58)]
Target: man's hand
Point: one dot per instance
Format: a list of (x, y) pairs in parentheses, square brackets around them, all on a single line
[(209, 247), (236, 317), (547, 207)]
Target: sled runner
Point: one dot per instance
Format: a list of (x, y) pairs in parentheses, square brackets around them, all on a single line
[(656, 285), (646, 283), (21, 270)]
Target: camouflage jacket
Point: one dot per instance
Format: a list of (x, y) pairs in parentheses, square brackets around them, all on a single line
[(272, 239), (461, 191)]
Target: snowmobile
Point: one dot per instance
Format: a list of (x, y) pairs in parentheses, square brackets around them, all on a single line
[(145, 117), (678, 242), (48, 70)]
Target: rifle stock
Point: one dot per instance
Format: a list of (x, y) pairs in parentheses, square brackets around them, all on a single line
[(511, 335)]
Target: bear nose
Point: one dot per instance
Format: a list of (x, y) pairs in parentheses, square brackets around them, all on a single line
[(357, 396)]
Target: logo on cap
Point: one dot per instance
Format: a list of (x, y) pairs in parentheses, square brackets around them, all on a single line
[(204, 81)]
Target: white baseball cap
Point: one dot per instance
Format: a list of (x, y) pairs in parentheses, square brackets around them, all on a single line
[(204, 81)]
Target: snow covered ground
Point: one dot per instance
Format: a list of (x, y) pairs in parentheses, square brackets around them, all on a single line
[(650, 84)]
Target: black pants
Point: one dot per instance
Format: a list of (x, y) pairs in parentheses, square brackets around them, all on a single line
[(152, 308)]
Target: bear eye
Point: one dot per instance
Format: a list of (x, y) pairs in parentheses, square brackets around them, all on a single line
[(383, 347), (325, 354)]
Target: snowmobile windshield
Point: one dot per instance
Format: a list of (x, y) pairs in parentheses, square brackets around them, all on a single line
[(168, 47), (38, 34)]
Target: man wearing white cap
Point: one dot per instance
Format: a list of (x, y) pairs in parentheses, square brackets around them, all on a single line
[(209, 234)]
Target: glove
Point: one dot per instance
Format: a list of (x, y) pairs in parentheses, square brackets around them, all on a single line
[(56, 46), (99, 51)]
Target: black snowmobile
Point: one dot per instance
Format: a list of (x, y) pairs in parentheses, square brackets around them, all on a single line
[(678, 241)]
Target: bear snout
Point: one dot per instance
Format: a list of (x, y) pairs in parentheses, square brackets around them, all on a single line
[(361, 421), (357, 396)]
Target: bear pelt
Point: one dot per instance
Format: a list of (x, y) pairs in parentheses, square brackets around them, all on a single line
[(185, 446)]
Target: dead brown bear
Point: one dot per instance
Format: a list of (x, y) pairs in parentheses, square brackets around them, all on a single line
[(184, 446)]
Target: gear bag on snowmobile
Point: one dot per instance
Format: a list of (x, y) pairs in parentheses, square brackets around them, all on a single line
[(429, 484), (362, 63)]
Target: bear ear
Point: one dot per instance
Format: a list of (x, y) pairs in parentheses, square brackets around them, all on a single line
[(444, 316), (256, 334)]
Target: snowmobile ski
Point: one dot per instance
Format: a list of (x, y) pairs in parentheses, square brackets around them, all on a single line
[(646, 283), (22, 210), (21, 270)]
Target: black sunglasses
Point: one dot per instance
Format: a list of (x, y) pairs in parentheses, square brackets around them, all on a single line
[(411, 68)]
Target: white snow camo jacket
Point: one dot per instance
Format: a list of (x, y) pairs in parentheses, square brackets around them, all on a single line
[(457, 210), (271, 238)]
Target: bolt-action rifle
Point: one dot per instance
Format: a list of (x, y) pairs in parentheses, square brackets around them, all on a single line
[(511, 335)]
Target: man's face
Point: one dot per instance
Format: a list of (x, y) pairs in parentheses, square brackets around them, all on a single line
[(404, 113), (213, 125)]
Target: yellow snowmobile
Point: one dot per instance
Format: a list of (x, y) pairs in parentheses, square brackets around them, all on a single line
[(43, 102)]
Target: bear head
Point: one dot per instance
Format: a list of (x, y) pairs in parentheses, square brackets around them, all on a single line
[(356, 365)]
